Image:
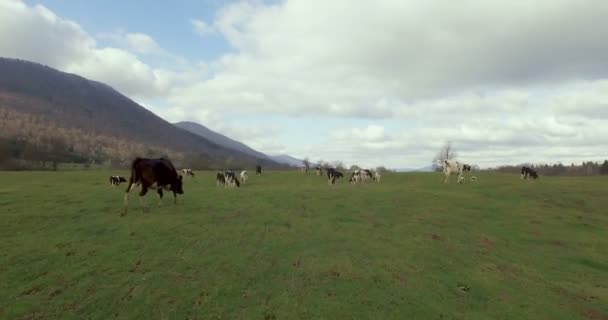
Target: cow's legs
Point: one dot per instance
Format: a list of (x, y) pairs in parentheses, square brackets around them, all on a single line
[(174, 197), (142, 201), (125, 208), (160, 197)]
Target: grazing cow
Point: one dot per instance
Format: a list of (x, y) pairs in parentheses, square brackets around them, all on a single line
[(528, 172), (355, 177), (231, 180), (362, 175), (244, 176), (319, 170), (332, 175), (116, 180), (452, 166), (156, 174), (377, 176), (220, 179), (366, 175), (473, 179), (188, 172), (258, 170)]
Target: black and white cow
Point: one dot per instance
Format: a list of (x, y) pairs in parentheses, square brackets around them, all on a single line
[(362, 175), (231, 179), (244, 176), (116, 180), (333, 175), (319, 170), (528, 172), (377, 176), (452, 166), (188, 172), (220, 179), (258, 170), (153, 174)]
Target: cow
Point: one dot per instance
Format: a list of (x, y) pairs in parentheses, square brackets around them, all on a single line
[(366, 175), (528, 172), (116, 180), (319, 170), (377, 176), (355, 177), (452, 166), (153, 174), (244, 176), (231, 180), (362, 175), (188, 172), (258, 170), (332, 175), (220, 179)]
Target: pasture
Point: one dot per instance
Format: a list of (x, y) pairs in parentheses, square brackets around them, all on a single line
[(288, 246)]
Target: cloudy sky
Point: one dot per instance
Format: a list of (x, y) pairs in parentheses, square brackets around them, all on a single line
[(367, 82)]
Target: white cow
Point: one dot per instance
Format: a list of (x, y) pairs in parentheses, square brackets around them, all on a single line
[(377, 176), (244, 176), (452, 166)]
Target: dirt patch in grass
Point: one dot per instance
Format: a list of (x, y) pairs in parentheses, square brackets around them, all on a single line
[(436, 237), (487, 244), (594, 315)]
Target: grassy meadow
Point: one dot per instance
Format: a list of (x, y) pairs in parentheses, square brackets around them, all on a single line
[(288, 246)]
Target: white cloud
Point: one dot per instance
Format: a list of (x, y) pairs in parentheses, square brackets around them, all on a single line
[(201, 28), (507, 82)]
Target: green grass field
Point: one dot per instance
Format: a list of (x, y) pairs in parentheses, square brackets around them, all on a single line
[(288, 246)]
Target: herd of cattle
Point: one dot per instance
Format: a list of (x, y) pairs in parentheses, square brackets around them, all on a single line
[(160, 174)]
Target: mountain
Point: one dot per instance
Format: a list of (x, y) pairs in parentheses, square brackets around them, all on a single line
[(218, 138), (51, 116), (286, 159)]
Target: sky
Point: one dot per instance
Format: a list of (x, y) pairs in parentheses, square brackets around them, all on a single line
[(363, 82)]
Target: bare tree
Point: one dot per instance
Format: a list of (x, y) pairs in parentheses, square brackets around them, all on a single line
[(446, 152), (339, 165), (306, 162)]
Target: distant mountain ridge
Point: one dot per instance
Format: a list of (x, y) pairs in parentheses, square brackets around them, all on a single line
[(49, 115), (218, 138), (230, 143), (287, 159)]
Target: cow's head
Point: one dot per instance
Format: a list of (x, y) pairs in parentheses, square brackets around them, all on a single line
[(466, 167), (534, 175), (176, 186)]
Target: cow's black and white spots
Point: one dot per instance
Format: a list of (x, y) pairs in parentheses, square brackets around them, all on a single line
[(117, 180), (452, 166), (528, 172), (333, 175), (258, 170), (188, 172), (156, 174), (244, 176)]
